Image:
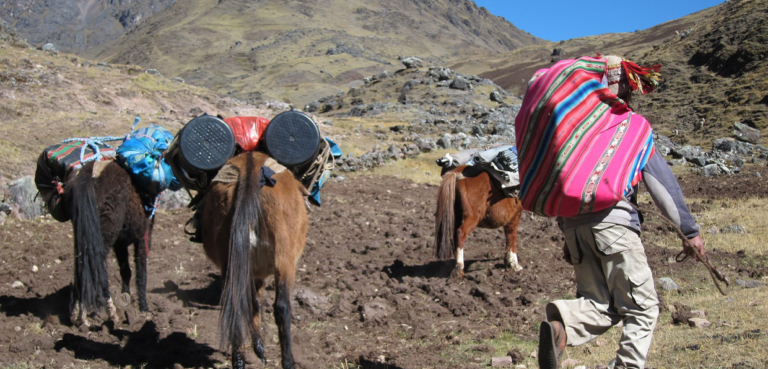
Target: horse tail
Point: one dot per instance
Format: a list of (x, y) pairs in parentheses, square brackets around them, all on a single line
[(91, 282), (445, 218), (237, 307)]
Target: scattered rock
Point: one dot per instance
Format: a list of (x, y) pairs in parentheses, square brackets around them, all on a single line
[(568, 363), (49, 47), (667, 284), (499, 362), (460, 83), (17, 284), (711, 170), (700, 323), (21, 196), (699, 313), (496, 96), (154, 71), (412, 62), (316, 304), (600, 342), (734, 228), (746, 133)]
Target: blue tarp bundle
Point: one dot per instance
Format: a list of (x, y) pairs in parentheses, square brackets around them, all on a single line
[(142, 155)]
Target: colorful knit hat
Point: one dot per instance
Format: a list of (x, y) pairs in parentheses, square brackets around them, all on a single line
[(644, 79)]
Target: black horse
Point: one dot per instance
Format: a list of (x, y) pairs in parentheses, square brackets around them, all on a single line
[(107, 212)]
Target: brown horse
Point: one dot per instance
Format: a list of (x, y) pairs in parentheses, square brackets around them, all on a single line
[(253, 225), (468, 199), (106, 212)]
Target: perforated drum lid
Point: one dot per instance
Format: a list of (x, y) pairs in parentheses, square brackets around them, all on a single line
[(206, 143), (292, 138)]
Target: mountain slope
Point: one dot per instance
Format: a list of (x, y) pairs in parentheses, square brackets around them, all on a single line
[(301, 50), (77, 25), (714, 66)]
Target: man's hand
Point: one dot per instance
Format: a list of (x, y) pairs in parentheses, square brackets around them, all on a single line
[(696, 246)]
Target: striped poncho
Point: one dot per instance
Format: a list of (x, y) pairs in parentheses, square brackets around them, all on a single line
[(580, 147)]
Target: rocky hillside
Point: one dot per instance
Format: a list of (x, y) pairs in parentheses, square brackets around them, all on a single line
[(79, 26), (714, 66), (298, 51)]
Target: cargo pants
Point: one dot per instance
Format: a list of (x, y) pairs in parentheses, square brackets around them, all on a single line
[(613, 284)]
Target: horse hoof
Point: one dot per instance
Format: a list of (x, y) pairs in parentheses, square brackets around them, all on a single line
[(457, 274), (515, 268), (125, 299)]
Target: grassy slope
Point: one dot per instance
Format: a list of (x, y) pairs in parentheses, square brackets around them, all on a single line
[(276, 49), (47, 98)]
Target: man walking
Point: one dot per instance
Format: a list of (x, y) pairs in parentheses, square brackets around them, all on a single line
[(582, 152)]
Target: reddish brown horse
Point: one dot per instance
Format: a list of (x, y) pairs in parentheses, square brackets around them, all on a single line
[(106, 212), (254, 224), (468, 199)]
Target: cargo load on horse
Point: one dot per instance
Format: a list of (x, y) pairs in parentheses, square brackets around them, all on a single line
[(110, 195), (291, 138), (478, 189), (500, 162), (253, 180), (57, 162)]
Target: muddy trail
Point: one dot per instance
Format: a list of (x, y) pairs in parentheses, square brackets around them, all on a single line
[(369, 290)]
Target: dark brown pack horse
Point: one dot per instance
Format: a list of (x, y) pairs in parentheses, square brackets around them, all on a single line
[(253, 229), (106, 212), (468, 199)]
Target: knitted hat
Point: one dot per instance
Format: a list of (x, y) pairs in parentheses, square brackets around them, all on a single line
[(619, 70)]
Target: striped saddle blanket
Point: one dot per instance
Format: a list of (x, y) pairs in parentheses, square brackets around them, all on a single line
[(580, 147)]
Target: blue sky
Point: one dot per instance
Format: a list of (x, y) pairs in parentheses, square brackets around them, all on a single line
[(557, 20)]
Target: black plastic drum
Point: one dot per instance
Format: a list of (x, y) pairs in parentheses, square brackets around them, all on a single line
[(292, 138), (205, 144)]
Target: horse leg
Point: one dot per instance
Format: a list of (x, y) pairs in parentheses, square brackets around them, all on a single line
[(141, 247), (111, 308), (284, 279), (510, 254), (256, 341), (121, 252), (467, 226), (77, 314)]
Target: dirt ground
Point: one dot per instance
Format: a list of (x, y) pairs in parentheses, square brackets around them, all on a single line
[(369, 291)]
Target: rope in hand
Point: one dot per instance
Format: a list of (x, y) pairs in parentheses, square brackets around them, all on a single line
[(688, 248)]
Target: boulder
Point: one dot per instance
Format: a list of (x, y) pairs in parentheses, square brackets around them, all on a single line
[(412, 62), (496, 96), (711, 170), (444, 142), (21, 197), (746, 133), (460, 83)]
